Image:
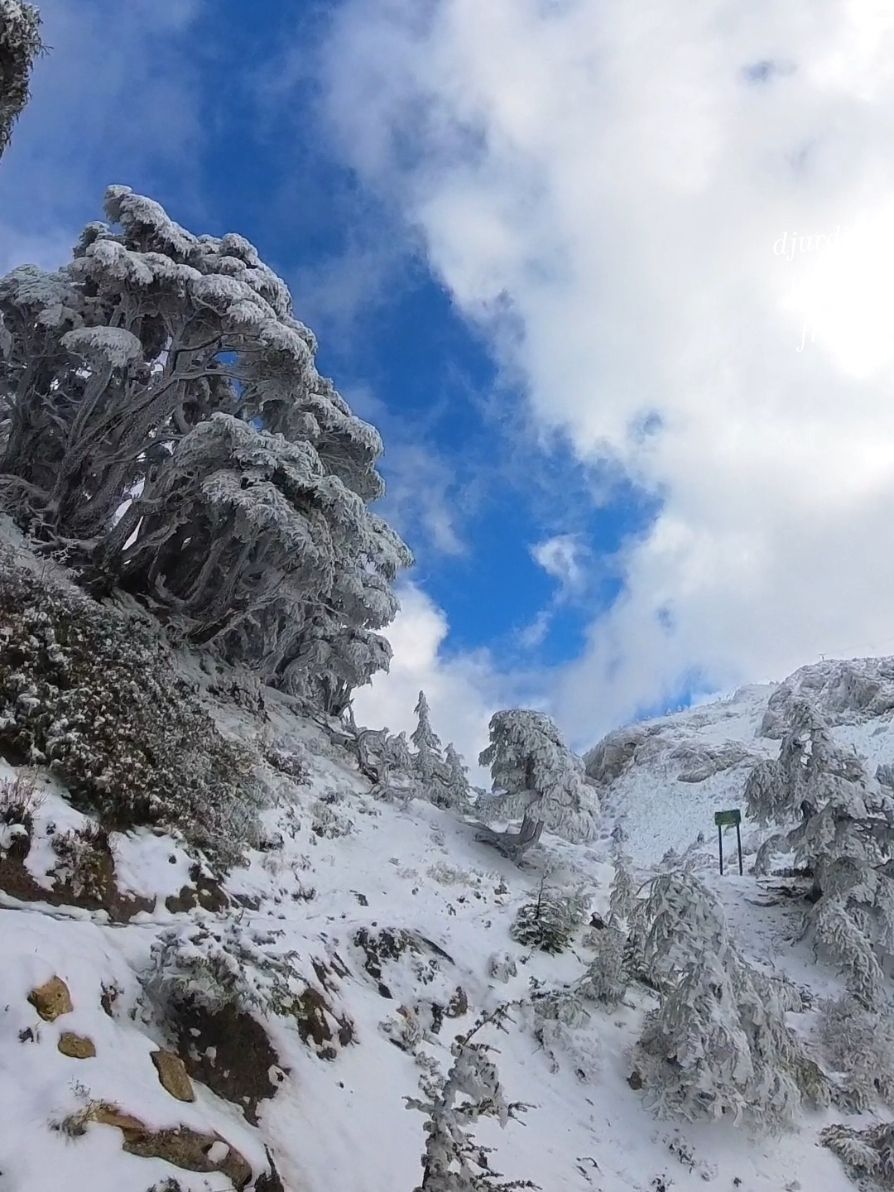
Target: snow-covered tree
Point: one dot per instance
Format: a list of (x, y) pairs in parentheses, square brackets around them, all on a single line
[(441, 774), (605, 979), (550, 921), (623, 889), (537, 778), (867, 1153), (859, 1045), (453, 1161), (164, 421), (719, 1044), (424, 737), (19, 45), (457, 792), (428, 761), (839, 823)]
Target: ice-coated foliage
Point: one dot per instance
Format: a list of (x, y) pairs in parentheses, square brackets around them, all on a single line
[(453, 1161), (866, 1153), (92, 695), (219, 966), (622, 898), (719, 1044), (19, 45), (859, 1046), (164, 422), (536, 777), (606, 977), (839, 822), (549, 922)]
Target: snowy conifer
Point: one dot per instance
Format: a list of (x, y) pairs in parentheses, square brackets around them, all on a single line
[(719, 1044), (840, 824), (859, 1044), (453, 1161), (424, 737), (550, 921), (623, 890), (606, 977), (428, 762), (164, 420), (537, 778), (457, 791), (19, 45)]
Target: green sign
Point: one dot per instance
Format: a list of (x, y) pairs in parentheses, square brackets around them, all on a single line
[(727, 818)]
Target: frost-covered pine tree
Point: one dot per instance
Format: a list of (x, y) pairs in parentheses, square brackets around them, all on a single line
[(19, 45), (536, 778), (623, 889), (428, 761), (457, 791), (719, 1044), (453, 1161), (163, 420), (839, 823)]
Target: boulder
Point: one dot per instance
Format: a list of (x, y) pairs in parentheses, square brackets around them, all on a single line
[(77, 1047), (172, 1075), (51, 1000), (185, 1148)]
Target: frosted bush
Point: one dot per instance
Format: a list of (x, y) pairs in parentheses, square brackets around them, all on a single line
[(219, 966), (550, 922), (866, 1153), (92, 695)]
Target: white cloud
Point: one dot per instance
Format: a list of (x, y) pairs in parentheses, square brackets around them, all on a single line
[(113, 100), (463, 690), (601, 188), (561, 557)]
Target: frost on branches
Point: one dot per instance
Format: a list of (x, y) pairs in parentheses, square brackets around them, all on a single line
[(536, 778), (866, 1153), (718, 1045), (859, 1045), (839, 822), (453, 1161), (165, 425), (19, 45)]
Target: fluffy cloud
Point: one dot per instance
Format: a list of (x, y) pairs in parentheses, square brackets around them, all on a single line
[(604, 188), (561, 557), (113, 100)]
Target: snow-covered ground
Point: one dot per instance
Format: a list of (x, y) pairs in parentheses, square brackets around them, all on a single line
[(340, 867)]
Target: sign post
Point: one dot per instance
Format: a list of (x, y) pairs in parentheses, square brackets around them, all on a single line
[(727, 819)]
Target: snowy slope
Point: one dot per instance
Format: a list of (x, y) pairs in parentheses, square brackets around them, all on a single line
[(340, 867)]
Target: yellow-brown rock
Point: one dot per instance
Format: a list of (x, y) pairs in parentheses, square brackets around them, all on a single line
[(77, 1047), (173, 1075), (184, 1148), (51, 1000)]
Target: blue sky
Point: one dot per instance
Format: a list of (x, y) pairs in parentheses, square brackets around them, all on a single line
[(558, 301)]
